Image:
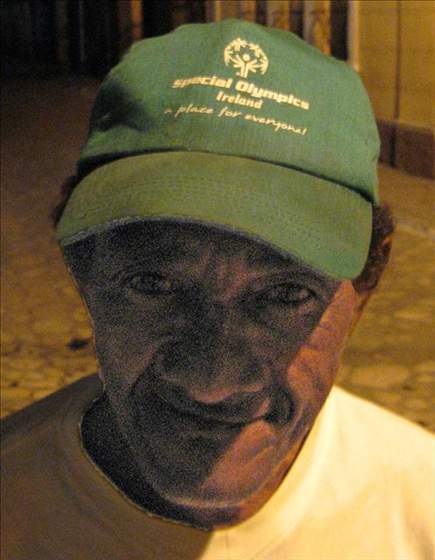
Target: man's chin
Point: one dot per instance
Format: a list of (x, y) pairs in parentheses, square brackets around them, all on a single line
[(190, 475)]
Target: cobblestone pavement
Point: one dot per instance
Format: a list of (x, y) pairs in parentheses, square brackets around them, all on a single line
[(46, 334)]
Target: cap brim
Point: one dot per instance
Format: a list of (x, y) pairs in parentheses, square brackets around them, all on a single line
[(324, 224)]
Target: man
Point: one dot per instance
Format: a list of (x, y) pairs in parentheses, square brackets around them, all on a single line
[(224, 231)]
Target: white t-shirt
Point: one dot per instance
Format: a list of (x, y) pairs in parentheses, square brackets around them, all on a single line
[(362, 488)]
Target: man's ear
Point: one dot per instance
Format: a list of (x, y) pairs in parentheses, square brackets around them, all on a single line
[(379, 252), (79, 258)]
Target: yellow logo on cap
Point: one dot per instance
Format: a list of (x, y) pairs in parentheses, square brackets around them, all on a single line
[(246, 57)]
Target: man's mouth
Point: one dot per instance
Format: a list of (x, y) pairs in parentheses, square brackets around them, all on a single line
[(175, 413), (194, 423)]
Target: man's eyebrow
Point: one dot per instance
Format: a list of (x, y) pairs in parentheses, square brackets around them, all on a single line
[(268, 260), (287, 267)]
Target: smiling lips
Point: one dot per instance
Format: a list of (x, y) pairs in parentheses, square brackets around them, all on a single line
[(196, 425), (175, 411)]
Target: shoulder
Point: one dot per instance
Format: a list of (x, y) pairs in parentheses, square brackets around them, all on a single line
[(379, 469), (48, 413), (388, 434), (384, 452)]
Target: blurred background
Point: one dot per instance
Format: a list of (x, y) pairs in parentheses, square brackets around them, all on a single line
[(54, 54)]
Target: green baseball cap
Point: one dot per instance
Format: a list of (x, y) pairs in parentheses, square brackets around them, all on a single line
[(238, 126)]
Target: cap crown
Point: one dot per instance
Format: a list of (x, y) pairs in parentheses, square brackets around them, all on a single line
[(237, 88)]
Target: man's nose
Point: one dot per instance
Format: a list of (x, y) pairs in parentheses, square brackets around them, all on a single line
[(213, 373), (226, 384), (213, 362)]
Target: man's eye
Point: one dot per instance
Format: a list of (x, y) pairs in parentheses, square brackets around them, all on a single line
[(152, 284), (289, 294)]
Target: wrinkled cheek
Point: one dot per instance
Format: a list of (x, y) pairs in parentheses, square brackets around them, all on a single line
[(121, 355), (311, 374)]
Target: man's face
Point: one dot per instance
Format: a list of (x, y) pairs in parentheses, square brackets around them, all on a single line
[(217, 353)]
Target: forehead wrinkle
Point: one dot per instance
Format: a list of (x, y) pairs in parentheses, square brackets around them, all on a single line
[(223, 265), (226, 268), (147, 246), (218, 255)]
